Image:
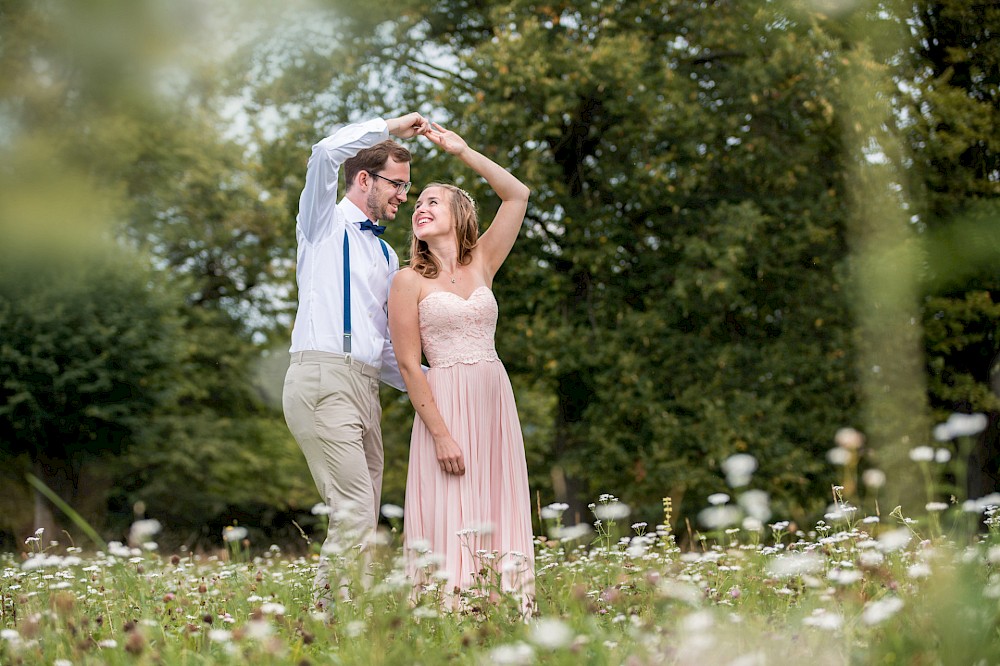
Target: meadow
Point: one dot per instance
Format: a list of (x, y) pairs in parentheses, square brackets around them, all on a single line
[(854, 588)]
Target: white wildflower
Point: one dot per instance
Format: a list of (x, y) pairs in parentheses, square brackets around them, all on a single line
[(824, 619), (551, 634), (231, 534), (894, 539), (849, 438), (838, 456), (144, 530), (845, 576), (612, 511), (220, 635), (873, 478), (738, 469), (716, 517), (922, 454), (881, 610), (392, 511), (960, 425), (756, 504), (718, 499), (272, 608), (514, 654), (795, 564), (871, 558)]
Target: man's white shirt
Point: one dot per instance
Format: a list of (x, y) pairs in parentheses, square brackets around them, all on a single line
[(319, 230)]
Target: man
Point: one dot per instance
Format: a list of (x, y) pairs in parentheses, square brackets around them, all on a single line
[(340, 343)]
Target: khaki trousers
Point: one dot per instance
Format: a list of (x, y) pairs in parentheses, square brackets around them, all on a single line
[(332, 408)]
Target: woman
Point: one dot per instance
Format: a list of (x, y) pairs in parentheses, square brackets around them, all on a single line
[(467, 498)]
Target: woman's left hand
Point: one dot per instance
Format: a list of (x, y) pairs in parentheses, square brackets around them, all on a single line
[(447, 140)]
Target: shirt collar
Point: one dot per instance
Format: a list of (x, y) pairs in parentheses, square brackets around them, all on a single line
[(352, 213)]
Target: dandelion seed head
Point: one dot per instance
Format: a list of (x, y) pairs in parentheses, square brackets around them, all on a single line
[(922, 454)]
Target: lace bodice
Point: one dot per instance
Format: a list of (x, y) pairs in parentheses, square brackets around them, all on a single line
[(455, 330)]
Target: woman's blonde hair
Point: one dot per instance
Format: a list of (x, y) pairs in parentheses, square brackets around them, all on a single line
[(463, 211)]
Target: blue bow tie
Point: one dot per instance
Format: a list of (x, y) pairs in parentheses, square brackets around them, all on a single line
[(376, 229)]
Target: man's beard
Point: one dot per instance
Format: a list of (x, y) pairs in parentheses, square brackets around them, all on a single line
[(380, 209)]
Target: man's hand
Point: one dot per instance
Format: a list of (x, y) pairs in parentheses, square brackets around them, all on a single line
[(408, 126)]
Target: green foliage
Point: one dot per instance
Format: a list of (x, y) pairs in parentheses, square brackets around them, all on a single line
[(87, 350)]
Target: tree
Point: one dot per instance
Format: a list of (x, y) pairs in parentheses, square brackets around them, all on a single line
[(952, 126), (88, 347), (117, 129)]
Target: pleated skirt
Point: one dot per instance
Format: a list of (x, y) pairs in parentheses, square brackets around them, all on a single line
[(471, 533)]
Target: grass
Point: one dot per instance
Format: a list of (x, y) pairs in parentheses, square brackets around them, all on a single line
[(850, 589)]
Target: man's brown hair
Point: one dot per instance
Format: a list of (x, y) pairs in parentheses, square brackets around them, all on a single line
[(374, 159)]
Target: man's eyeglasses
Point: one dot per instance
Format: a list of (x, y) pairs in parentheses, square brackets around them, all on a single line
[(401, 187)]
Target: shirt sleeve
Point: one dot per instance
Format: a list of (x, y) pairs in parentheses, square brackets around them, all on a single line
[(319, 195)]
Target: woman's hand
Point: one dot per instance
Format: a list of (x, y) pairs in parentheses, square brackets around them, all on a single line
[(447, 140), (449, 456)]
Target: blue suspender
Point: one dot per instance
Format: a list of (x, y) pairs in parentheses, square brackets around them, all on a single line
[(347, 295), (347, 288)]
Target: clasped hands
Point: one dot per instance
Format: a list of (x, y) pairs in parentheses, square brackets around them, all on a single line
[(413, 124)]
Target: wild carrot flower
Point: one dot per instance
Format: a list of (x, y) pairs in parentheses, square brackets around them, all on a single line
[(738, 469)]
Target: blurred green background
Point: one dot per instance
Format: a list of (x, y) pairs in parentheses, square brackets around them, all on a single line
[(753, 223)]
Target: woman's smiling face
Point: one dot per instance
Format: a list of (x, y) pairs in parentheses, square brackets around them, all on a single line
[(432, 213)]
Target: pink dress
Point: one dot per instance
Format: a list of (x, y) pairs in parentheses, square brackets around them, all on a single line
[(470, 532)]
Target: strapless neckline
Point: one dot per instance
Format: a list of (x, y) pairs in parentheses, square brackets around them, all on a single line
[(451, 293)]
